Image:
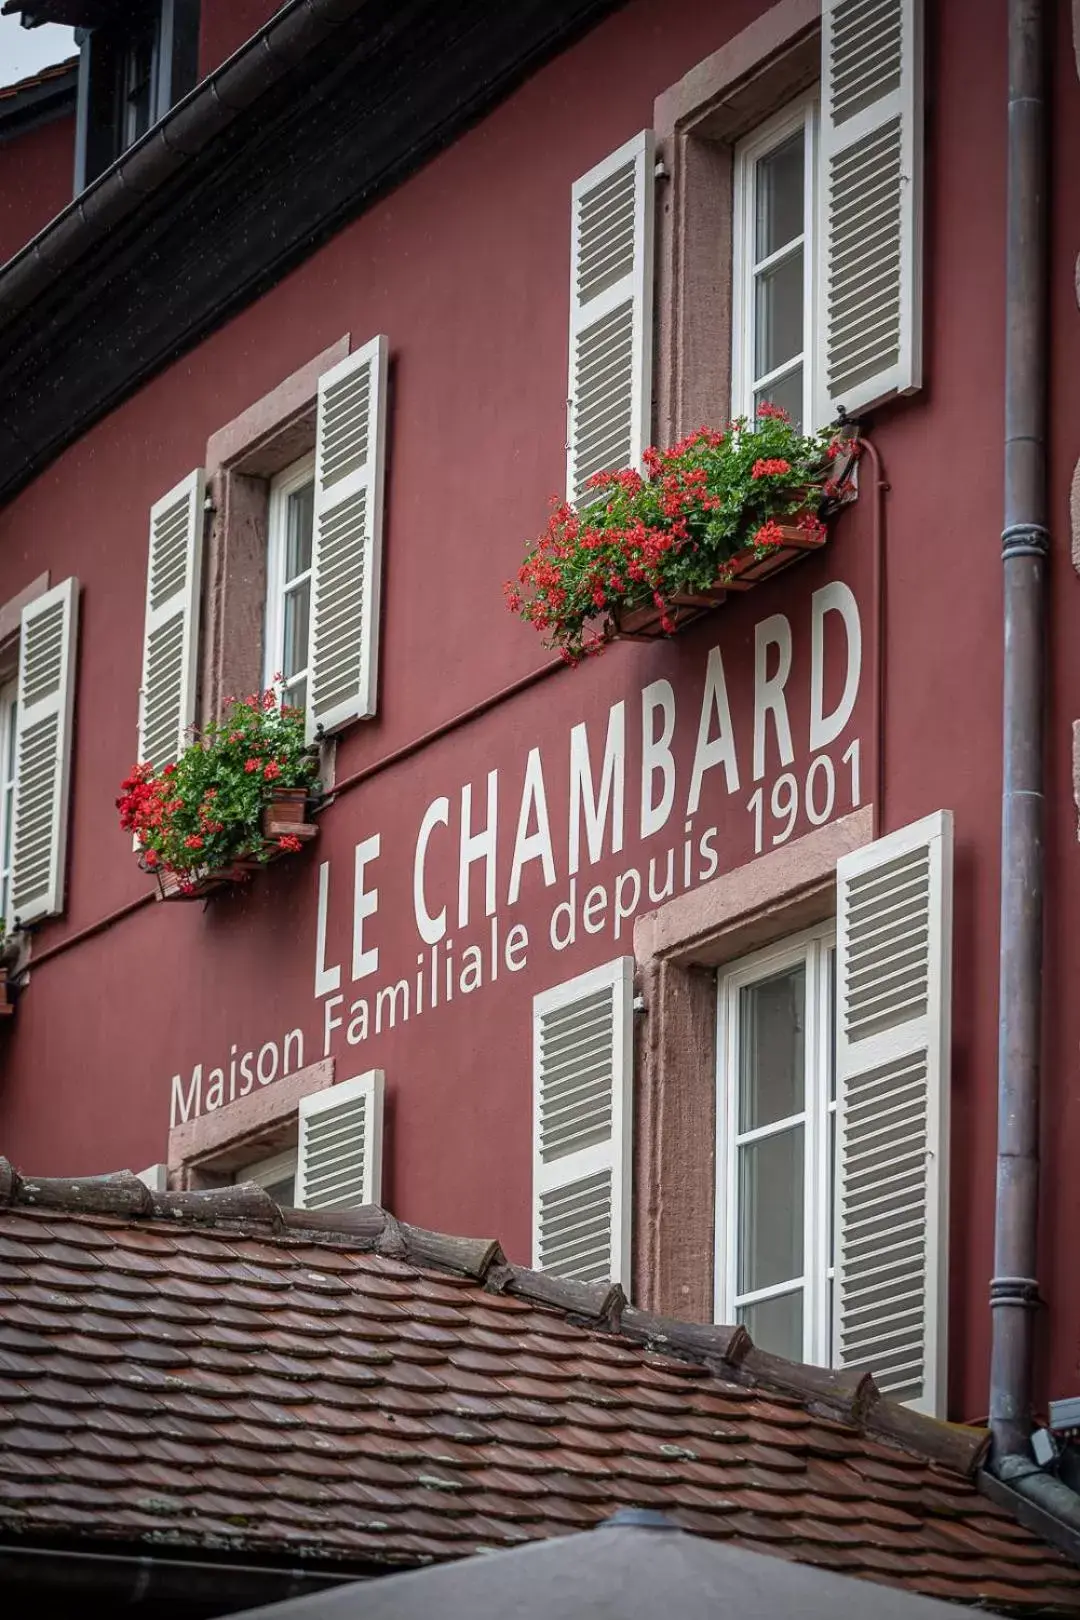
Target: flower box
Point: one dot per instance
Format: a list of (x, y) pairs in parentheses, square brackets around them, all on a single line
[(643, 621), (748, 570), (283, 818), (645, 553), (235, 799)]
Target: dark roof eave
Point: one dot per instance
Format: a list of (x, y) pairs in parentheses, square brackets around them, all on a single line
[(33, 1569), (37, 100), (171, 240)]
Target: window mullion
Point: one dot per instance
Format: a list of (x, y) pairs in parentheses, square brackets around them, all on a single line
[(778, 255)]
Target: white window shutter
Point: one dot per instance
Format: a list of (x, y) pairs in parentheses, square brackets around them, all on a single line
[(611, 296), (350, 452), (870, 204), (171, 633), (893, 982), (583, 1125), (45, 702), (339, 1161)]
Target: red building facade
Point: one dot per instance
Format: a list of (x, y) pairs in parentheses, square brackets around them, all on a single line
[(506, 839)]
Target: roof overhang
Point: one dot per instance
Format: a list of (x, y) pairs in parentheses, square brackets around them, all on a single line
[(37, 100), (75, 13), (328, 107)]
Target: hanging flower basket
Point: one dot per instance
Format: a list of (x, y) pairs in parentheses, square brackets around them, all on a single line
[(648, 555), (238, 798)]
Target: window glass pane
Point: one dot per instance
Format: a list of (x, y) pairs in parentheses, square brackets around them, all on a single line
[(778, 200), (298, 531), (284, 1192), (778, 314), (297, 617), (772, 1049), (296, 693), (770, 1210), (776, 1324), (787, 393)]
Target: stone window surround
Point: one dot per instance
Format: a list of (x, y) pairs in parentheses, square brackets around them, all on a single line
[(241, 459), (697, 122), (677, 950), (208, 1151)]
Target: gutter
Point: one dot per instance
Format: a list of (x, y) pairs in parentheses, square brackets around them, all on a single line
[(189, 127), (137, 1579)]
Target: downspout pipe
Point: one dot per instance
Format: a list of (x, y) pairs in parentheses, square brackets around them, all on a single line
[(1025, 545)]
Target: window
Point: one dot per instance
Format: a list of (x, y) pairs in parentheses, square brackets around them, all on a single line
[(776, 1109), (773, 265), (7, 788), (288, 581), (132, 69), (277, 1175)]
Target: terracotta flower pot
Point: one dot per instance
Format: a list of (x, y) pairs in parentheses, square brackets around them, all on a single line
[(286, 815)]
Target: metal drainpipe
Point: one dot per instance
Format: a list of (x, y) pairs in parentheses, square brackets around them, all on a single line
[(1025, 547)]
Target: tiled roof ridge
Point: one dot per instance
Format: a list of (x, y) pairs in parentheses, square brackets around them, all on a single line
[(844, 1394)]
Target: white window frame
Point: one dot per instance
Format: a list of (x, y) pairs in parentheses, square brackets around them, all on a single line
[(812, 947), (8, 771), (283, 485), (802, 113)]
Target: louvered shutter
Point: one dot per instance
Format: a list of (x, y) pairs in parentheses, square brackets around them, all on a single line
[(350, 450), (171, 634), (894, 971), (582, 1124), (339, 1163), (43, 725), (611, 280), (870, 204)]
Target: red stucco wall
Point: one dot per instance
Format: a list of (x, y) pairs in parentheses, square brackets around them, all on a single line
[(465, 269), (36, 177), (224, 25)]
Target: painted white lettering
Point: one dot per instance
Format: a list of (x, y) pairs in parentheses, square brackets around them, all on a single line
[(517, 940), (430, 928), (365, 904), (472, 970), (718, 750), (836, 597), (296, 1037), (189, 1107), (215, 1090), (559, 937), (656, 755), (769, 689), (330, 1023), (388, 997), (612, 789), (326, 979), (479, 846), (626, 904), (535, 846), (593, 909), (358, 1022), (265, 1079), (247, 1073)]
